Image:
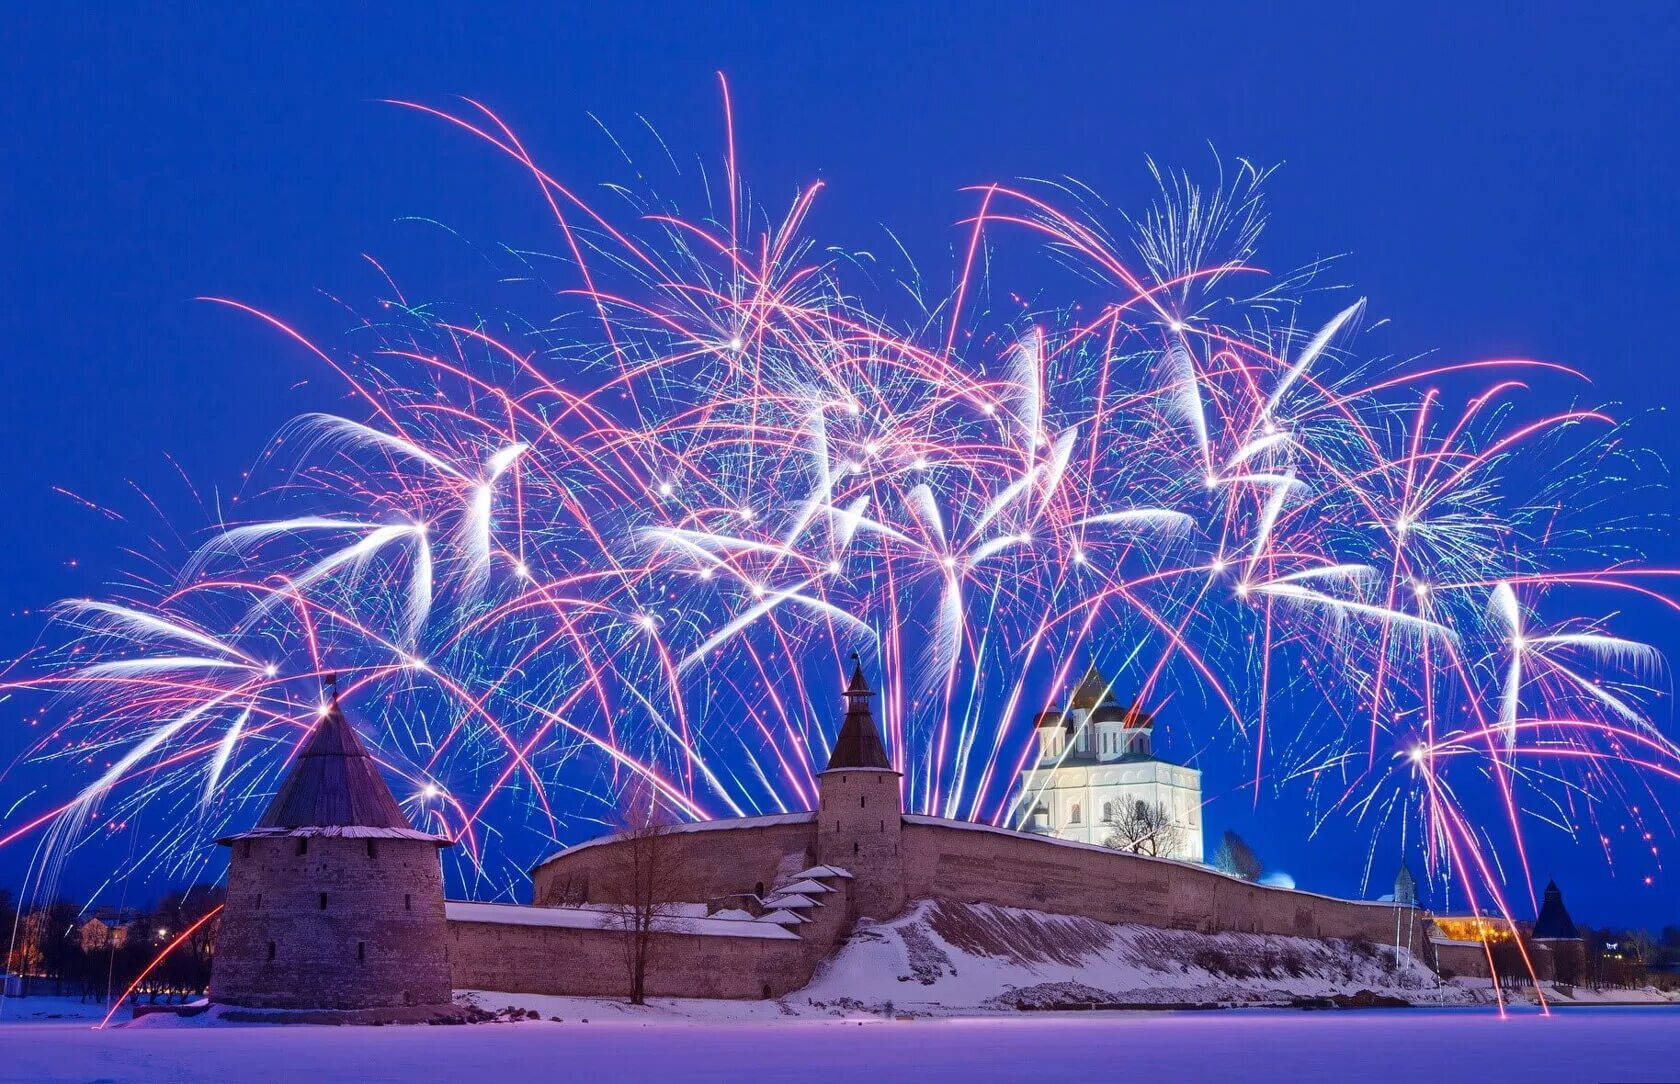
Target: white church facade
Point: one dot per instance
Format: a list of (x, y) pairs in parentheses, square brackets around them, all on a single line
[(1097, 778)]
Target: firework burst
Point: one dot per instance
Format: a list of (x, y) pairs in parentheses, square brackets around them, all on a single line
[(627, 547)]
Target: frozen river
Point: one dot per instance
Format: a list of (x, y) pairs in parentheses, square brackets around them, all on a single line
[(1602, 1044)]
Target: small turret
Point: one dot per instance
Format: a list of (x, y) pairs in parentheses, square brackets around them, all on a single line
[(1405, 888), (860, 812)]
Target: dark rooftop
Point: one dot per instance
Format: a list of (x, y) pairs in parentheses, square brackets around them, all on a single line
[(1093, 689), (1554, 923), (333, 782), (859, 744)]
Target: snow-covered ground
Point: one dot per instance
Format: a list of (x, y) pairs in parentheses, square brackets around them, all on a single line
[(933, 995), (677, 1043)]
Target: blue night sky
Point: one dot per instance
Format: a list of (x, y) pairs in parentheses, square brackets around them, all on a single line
[(1503, 182)]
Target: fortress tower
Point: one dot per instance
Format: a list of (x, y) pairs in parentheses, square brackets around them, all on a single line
[(860, 811), (333, 901)]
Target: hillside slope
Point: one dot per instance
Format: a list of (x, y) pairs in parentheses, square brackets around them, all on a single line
[(943, 957)]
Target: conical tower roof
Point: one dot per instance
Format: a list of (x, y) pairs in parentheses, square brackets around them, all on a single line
[(1553, 923), (1405, 887), (859, 744), (334, 788)]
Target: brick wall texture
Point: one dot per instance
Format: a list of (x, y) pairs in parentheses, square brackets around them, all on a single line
[(332, 927)]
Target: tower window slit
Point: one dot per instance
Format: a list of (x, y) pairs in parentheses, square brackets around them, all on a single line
[(271, 950), (408, 901), (323, 901), (303, 846), (361, 951), (373, 849)]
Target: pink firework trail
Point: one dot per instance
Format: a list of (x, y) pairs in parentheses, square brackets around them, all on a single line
[(629, 548)]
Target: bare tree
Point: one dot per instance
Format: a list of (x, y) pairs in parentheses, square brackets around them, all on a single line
[(1237, 858), (1145, 829), (643, 889)]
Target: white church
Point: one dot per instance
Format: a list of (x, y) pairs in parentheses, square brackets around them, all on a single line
[(1097, 778)]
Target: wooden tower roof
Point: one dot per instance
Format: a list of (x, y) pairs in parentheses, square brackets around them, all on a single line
[(334, 789)]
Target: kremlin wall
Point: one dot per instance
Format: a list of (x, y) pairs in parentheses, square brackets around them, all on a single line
[(336, 903)]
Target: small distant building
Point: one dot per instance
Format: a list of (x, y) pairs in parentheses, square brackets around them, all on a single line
[(107, 929), (1097, 765), (334, 901)]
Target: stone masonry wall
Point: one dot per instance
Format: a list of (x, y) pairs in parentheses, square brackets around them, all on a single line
[(968, 864), (587, 962), (860, 822), (945, 860), (1464, 959), (379, 941), (721, 862)]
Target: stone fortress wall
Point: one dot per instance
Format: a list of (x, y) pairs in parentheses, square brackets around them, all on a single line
[(964, 862), (723, 859), (952, 861)]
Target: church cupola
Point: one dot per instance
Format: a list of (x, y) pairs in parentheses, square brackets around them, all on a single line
[(1051, 729), (860, 809)]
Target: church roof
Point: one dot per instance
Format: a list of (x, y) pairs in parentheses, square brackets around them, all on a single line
[(1553, 922), (1133, 716), (859, 743), (1093, 689), (334, 783)]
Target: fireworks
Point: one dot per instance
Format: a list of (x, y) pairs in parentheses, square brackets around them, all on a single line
[(626, 548)]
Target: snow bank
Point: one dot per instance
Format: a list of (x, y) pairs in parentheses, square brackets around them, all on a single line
[(944, 958)]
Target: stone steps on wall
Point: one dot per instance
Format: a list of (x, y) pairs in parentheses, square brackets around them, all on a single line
[(795, 900)]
